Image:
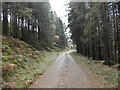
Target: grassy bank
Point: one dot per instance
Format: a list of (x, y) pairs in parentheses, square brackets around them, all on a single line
[(107, 76), (22, 63)]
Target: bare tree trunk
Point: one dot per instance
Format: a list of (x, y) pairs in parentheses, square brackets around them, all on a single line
[(5, 19), (28, 28), (15, 29), (22, 28)]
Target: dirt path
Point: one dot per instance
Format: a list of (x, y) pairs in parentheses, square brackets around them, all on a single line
[(63, 73)]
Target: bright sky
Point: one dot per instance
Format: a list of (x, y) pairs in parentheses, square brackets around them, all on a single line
[(59, 7)]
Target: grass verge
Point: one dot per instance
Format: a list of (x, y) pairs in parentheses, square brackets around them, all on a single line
[(107, 76)]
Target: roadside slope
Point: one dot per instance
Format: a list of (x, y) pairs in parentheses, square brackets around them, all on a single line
[(21, 63)]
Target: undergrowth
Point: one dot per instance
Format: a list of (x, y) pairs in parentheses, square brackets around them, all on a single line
[(22, 64), (108, 75)]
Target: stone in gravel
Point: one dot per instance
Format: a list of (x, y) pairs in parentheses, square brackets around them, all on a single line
[(26, 59)]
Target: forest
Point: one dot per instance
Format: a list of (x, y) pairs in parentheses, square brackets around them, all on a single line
[(95, 29), (38, 45), (31, 33), (34, 23)]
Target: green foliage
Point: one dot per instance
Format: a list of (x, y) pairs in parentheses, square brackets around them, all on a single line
[(23, 64), (32, 22), (108, 76), (93, 28), (5, 47)]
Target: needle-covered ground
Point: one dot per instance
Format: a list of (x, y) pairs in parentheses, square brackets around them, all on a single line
[(100, 74), (21, 63)]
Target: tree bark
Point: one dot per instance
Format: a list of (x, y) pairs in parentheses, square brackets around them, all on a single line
[(5, 18)]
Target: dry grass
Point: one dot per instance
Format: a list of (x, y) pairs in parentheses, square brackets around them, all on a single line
[(107, 76), (22, 63)]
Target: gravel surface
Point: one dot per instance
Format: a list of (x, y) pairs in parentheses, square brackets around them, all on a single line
[(63, 73)]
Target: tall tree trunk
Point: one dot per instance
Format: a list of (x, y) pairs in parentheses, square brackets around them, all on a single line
[(28, 30), (118, 33), (105, 34), (22, 28), (5, 18), (39, 31), (15, 29)]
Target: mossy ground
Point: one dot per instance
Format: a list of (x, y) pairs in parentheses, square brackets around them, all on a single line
[(108, 75), (29, 63)]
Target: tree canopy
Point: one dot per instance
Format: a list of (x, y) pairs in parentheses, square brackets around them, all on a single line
[(94, 28), (34, 23)]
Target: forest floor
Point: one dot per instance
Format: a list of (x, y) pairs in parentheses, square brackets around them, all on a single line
[(22, 64), (101, 75)]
